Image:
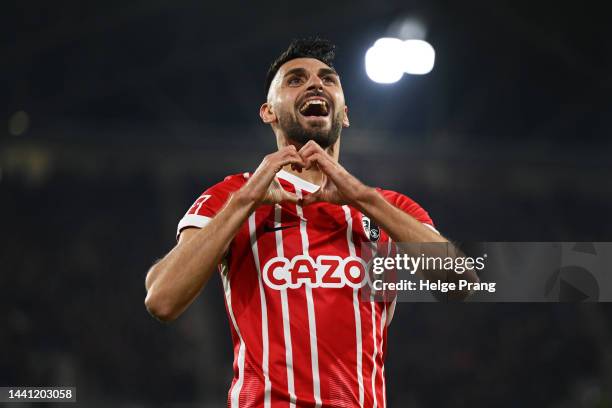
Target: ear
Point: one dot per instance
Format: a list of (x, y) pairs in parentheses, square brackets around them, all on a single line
[(345, 119), (266, 114)]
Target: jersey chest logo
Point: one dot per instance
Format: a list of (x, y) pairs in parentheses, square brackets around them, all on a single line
[(371, 230), (327, 271)]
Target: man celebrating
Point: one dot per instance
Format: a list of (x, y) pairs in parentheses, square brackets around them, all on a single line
[(287, 241)]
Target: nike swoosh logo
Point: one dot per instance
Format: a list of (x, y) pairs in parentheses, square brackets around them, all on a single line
[(282, 227)]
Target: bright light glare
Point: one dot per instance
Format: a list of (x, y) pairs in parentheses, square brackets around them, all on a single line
[(411, 28), (389, 58), (383, 61), (420, 57)]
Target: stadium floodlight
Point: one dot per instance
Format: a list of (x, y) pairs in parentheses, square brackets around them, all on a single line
[(384, 61), (420, 57), (389, 58)]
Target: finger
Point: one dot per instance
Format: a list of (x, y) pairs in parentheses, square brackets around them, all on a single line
[(310, 159), (287, 152), (295, 155), (311, 151), (288, 148), (291, 151), (261, 178), (322, 160), (260, 181), (281, 193), (333, 170), (312, 198), (311, 145), (310, 163), (276, 183), (296, 162), (289, 197), (299, 166)]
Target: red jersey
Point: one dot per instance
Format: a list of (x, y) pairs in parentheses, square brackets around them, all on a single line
[(302, 335)]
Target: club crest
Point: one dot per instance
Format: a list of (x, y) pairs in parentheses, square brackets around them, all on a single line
[(371, 230)]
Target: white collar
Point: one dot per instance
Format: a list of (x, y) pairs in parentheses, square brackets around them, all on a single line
[(297, 181)]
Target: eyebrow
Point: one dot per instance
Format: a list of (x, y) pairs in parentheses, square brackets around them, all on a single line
[(328, 71), (302, 71)]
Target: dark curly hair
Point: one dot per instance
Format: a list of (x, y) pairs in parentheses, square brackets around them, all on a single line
[(312, 47)]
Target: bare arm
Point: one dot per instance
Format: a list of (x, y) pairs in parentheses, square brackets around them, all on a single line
[(402, 227), (175, 281)]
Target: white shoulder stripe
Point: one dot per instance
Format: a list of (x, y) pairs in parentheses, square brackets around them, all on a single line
[(192, 220)]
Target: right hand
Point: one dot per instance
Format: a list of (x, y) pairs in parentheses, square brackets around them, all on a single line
[(263, 187)]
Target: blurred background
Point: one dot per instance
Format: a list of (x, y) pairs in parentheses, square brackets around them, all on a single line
[(116, 115)]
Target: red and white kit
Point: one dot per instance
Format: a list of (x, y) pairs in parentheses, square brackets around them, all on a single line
[(302, 335)]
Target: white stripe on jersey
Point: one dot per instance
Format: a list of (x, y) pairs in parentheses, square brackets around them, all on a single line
[(314, 354), (391, 311), (383, 323), (285, 309), (351, 245), (237, 386), (374, 336), (264, 314), (375, 349)]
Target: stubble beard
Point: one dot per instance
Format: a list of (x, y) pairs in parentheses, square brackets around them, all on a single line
[(297, 133)]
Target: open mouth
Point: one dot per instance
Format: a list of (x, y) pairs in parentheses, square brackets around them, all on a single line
[(315, 107)]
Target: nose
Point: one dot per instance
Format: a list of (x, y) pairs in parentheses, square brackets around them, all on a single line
[(315, 83)]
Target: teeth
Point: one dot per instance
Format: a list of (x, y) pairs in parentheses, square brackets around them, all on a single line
[(314, 102)]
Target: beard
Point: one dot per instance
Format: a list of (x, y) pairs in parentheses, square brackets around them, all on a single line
[(296, 132)]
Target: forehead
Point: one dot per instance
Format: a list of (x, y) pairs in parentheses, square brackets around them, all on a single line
[(311, 65)]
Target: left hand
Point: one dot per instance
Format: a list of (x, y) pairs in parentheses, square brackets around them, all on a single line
[(339, 186)]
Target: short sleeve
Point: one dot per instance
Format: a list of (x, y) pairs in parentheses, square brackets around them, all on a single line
[(210, 202), (409, 206)]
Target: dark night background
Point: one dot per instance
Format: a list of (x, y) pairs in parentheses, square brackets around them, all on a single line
[(115, 115)]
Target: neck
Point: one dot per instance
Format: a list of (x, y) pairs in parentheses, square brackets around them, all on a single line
[(313, 175)]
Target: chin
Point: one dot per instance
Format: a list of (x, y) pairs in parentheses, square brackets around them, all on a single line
[(324, 139), (302, 130)]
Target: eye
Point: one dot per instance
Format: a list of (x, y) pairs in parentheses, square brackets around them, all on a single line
[(329, 79), (294, 81)]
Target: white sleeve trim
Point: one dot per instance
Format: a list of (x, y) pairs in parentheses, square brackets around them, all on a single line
[(192, 220), (432, 228)]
